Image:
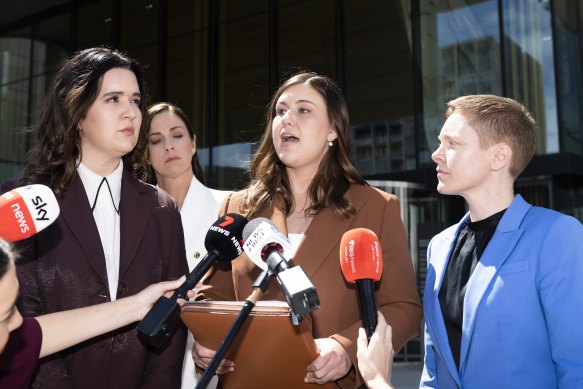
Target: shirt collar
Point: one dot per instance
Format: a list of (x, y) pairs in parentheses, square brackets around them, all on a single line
[(91, 181)]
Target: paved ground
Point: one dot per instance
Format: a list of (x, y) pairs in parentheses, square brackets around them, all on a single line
[(406, 375)]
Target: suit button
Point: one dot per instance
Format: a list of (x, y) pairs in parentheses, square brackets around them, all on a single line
[(121, 338), (196, 255), (122, 289)]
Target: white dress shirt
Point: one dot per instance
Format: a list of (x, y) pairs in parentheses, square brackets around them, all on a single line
[(104, 195), (295, 240)]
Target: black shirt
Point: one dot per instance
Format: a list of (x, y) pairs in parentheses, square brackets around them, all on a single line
[(469, 246)]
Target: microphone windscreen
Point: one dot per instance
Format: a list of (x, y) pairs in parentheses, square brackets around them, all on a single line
[(225, 236), (252, 225), (360, 255), (27, 210), (261, 235)]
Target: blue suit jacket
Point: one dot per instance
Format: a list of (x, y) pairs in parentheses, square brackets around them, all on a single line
[(523, 309)]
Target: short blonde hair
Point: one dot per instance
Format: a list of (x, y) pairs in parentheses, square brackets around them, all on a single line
[(499, 119)]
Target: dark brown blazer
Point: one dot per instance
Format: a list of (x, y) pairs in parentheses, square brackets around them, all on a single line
[(318, 255), (63, 267)]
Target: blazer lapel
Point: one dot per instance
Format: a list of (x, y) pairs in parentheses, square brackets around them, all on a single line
[(441, 250), (325, 226), (276, 214), (327, 230), (77, 215), (134, 209), (505, 238)]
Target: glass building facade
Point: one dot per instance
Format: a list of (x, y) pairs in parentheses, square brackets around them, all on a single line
[(397, 61)]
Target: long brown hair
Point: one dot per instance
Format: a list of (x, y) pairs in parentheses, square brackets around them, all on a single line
[(56, 140), (335, 173), (167, 107)]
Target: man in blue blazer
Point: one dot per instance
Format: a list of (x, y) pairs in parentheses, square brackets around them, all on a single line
[(503, 299)]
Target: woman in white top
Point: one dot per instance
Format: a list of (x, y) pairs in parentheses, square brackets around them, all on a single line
[(176, 169)]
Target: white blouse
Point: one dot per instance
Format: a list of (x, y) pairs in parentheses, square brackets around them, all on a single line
[(104, 195)]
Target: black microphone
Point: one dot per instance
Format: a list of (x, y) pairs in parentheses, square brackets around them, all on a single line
[(223, 242), (266, 247)]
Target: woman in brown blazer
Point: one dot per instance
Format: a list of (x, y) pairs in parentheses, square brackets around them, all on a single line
[(302, 179), (115, 235)]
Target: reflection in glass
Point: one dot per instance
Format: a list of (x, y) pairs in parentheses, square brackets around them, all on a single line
[(242, 83), (95, 24), (186, 16), (139, 23), (569, 41), (13, 119), (52, 44), (569, 194), (233, 161), (186, 79), (307, 37), (17, 97), (187, 65), (379, 85), (14, 58), (460, 55), (530, 66)]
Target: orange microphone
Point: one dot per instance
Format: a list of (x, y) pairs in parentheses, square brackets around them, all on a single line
[(361, 261)]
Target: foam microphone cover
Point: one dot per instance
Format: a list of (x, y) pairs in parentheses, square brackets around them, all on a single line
[(252, 225), (27, 210), (360, 255), (225, 236), (261, 238)]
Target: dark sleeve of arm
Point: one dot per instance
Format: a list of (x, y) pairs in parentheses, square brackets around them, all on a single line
[(19, 359), (164, 366), (29, 300)]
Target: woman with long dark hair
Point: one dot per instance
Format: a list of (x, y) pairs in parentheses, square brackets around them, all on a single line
[(115, 235), (302, 179), (175, 167)]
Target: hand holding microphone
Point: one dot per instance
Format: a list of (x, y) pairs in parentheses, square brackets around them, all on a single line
[(223, 242), (362, 262), (27, 210), (375, 358)]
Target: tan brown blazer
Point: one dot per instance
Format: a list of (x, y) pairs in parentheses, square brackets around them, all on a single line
[(318, 255)]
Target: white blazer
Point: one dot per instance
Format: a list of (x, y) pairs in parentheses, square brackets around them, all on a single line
[(199, 211)]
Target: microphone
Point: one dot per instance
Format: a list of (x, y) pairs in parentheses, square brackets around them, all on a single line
[(223, 241), (270, 250), (27, 210), (361, 261)]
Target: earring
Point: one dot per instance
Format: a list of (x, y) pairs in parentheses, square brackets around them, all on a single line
[(330, 144)]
